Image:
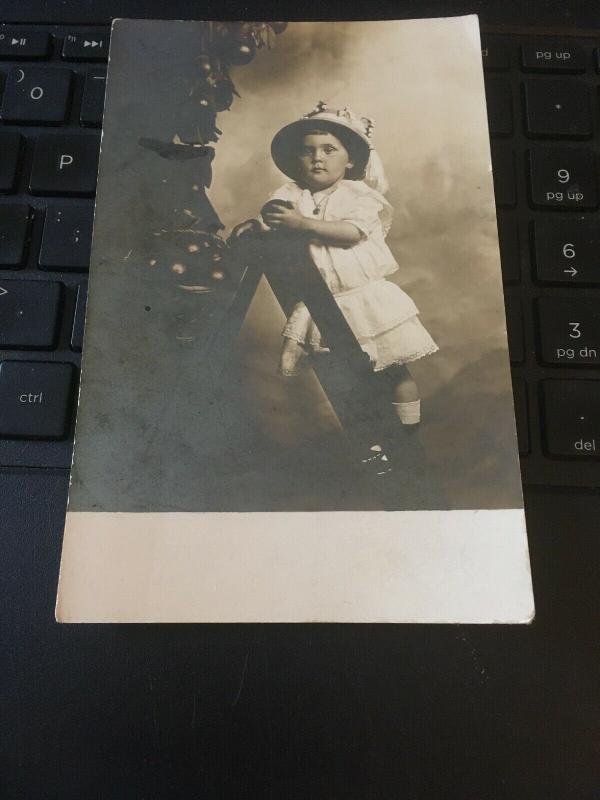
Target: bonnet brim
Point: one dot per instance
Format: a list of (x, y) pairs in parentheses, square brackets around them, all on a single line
[(283, 146)]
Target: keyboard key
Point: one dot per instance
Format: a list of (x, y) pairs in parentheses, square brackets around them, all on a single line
[(499, 107), (552, 56), (566, 251), (572, 417), (90, 45), (10, 151), (92, 104), (521, 414), (557, 107), (29, 314), (35, 399), (79, 320), (36, 94), (569, 331), (514, 327), (23, 44), (510, 248), (494, 53), (504, 176), (562, 178), (67, 237), (65, 164), (14, 227)]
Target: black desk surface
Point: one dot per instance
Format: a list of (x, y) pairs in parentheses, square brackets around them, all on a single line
[(331, 711)]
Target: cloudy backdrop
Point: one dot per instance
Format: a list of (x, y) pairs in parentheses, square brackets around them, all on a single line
[(421, 81)]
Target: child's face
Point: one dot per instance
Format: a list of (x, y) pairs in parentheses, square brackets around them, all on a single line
[(323, 161)]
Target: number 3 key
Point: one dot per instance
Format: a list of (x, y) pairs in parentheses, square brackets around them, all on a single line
[(569, 331)]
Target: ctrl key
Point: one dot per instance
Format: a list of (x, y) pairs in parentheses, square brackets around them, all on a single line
[(572, 417), (35, 399)]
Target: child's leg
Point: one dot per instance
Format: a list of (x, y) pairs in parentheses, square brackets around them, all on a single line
[(406, 402), (291, 353)]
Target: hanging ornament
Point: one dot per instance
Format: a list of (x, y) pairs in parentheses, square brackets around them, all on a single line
[(257, 32), (196, 260), (241, 52), (205, 65), (224, 44), (223, 93), (278, 27)]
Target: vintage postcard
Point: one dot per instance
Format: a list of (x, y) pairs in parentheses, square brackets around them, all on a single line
[(295, 402)]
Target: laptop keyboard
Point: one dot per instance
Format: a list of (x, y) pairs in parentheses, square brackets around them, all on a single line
[(543, 108)]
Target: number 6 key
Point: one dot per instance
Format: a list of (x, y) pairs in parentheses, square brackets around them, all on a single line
[(566, 250)]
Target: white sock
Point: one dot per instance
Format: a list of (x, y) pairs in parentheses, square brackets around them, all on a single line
[(409, 413)]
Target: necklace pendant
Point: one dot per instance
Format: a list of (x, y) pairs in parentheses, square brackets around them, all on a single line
[(316, 211)]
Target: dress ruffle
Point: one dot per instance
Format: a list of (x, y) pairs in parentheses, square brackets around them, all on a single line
[(383, 318)]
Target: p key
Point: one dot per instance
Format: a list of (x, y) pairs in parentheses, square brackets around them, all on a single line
[(35, 94), (65, 164)]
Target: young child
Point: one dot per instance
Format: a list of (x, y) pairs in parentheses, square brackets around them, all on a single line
[(336, 199)]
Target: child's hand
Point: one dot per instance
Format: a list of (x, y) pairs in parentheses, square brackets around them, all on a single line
[(283, 214)]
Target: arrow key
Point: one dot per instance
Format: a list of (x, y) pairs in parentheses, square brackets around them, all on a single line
[(90, 45), (29, 314), (566, 251)]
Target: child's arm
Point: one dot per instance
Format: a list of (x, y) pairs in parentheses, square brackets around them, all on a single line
[(334, 233)]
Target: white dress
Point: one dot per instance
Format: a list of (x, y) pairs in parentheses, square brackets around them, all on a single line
[(384, 318)]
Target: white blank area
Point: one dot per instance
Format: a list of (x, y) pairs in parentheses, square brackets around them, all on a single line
[(468, 566)]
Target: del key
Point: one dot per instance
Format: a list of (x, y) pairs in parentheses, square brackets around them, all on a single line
[(572, 417)]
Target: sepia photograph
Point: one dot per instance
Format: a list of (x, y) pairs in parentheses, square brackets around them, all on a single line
[(302, 251), (295, 394)]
